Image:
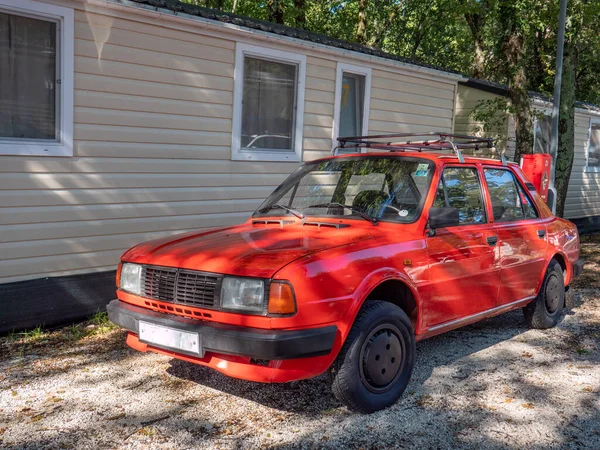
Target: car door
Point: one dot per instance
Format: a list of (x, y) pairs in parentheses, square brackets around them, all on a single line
[(463, 274), (521, 236)]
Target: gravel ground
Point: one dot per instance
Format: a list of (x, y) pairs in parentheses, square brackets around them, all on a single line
[(494, 384)]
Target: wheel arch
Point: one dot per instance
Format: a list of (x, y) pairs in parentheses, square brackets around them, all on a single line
[(398, 293), (562, 260), (393, 287)]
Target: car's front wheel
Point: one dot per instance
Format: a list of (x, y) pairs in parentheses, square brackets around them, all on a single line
[(377, 359), (544, 312)]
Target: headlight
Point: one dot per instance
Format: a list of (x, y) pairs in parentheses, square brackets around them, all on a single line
[(245, 294), (131, 277)]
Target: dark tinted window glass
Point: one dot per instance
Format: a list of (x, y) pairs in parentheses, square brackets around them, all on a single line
[(509, 202), (460, 188), (528, 208), (28, 57)]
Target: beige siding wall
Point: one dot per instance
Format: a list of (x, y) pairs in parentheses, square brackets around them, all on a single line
[(318, 107), (467, 99), (400, 104), (152, 154), (152, 144), (583, 196)]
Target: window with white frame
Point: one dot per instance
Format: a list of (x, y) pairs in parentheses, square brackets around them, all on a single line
[(593, 146), (352, 95), (268, 104), (36, 73), (542, 134)]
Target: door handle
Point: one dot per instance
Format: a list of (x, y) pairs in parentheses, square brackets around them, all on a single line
[(492, 240), (541, 233)]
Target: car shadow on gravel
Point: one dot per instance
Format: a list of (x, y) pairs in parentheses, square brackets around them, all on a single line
[(314, 396)]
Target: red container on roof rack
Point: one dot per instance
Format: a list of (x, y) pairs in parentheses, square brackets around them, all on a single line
[(537, 168)]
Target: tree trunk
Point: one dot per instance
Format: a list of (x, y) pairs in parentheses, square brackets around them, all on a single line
[(521, 107), (300, 6), (382, 30), (512, 48), (361, 29), (566, 127), (275, 11), (475, 22)]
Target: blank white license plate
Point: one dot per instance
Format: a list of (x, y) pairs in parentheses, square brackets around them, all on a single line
[(170, 337)]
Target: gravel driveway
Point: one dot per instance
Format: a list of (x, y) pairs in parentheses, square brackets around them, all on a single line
[(495, 384)]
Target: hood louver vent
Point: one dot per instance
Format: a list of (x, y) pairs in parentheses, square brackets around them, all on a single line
[(272, 222), (326, 224)]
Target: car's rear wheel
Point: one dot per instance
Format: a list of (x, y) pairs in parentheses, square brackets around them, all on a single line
[(377, 359), (545, 311)]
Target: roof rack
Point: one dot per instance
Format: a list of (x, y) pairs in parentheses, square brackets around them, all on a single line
[(438, 141)]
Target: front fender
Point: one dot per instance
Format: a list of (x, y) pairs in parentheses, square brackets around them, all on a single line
[(374, 279)]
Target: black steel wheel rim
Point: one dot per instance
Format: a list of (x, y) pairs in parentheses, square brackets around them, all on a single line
[(552, 294), (382, 358)]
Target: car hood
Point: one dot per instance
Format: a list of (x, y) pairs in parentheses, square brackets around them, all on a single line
[(253, 250)]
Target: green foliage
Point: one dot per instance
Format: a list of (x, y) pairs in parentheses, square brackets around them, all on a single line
[(491, 117), (469, 36)]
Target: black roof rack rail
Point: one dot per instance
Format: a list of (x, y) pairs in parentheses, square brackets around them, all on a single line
[(439, 141)]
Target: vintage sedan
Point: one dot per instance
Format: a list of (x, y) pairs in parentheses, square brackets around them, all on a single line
[(348, 263)]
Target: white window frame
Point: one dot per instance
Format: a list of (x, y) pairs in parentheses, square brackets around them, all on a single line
[(357, 70), (535, 124), (65, 22), (596, 169), (237, 154)]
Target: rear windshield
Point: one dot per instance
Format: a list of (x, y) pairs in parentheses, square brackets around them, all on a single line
[(384, 188)]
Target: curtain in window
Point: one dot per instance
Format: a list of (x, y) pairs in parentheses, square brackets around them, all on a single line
[(351, 108), (543, 134), (594, 146), (269, 104), (27, 78)]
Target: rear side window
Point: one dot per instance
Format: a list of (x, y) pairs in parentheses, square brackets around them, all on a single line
[(460, 188), (509, 200)]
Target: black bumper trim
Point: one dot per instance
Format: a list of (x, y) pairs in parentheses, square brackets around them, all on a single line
[(578, 267), (229, 339)]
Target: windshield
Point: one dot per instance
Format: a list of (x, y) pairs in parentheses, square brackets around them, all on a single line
[(375, 188)]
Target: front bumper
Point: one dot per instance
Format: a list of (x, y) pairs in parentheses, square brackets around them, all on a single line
[(229, 339)]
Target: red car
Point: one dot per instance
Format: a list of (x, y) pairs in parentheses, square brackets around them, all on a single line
[(348, 263)]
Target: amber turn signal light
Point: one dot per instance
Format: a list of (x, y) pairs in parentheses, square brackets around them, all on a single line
[(281, 299), (118, 280)]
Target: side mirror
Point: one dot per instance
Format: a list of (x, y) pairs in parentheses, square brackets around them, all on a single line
[(443, 217)]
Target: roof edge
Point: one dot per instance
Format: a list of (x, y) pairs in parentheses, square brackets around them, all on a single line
[(224, 22), (539, 98)]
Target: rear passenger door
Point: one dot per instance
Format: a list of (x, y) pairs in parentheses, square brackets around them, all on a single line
[(462, 264), (521, 236)]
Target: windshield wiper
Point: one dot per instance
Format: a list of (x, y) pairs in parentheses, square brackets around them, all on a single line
[(297, 213), (373, 220)]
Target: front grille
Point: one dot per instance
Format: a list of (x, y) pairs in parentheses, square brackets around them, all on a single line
[(159, 283), (184, 287), (197, 289)]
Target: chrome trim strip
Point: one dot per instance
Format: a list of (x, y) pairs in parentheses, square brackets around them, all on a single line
[(482, 313)]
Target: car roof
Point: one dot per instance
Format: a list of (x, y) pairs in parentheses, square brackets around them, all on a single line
[(432, 156)]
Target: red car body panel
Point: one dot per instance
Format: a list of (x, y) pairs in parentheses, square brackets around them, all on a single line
[(455, 277)]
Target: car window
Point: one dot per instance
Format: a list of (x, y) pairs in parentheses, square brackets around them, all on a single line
[(530, 211), (384, 188), (509, 201), (359, 183), (460, 188), (315, 187)]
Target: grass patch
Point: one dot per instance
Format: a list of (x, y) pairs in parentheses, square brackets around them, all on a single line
[(30, 336), (101, 323), (96, 325)]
